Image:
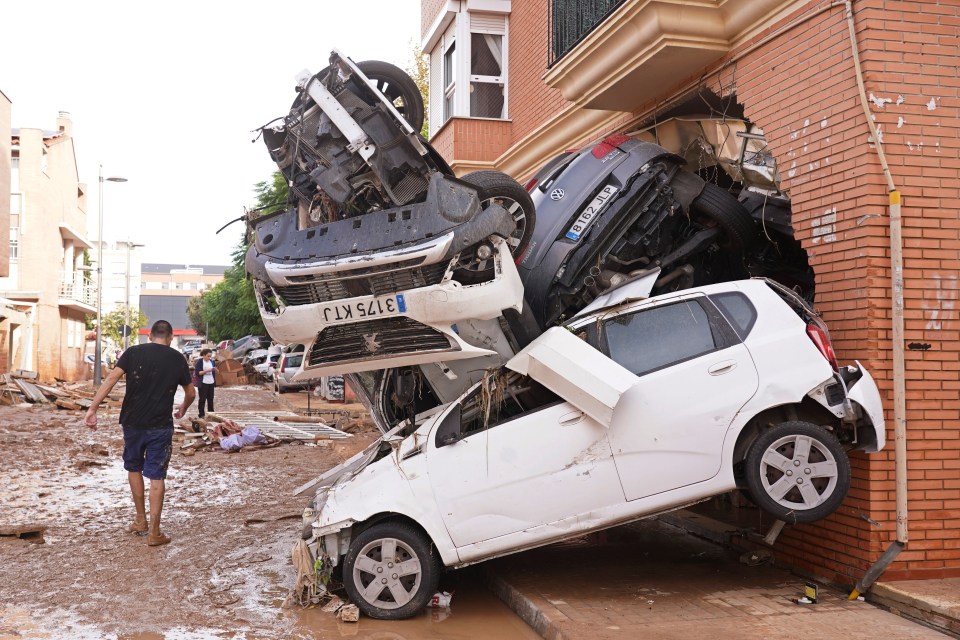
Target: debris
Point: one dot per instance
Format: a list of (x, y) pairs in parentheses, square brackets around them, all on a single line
[(30, 533), (441, 600), (756, 558), (349, 613), (332, 606), (248, 436)]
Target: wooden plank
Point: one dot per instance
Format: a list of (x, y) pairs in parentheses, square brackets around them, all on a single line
[(31, 393), (24, 373)]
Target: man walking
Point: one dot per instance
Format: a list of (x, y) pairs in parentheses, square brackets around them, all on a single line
[(153, 371)]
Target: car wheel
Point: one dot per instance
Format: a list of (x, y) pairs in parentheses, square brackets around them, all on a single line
[(399, 88), (720, 208), (797, 472), (391, 571), (494, 187)]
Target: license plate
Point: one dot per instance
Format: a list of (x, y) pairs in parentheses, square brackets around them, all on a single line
[(590, 213), (361, 309)]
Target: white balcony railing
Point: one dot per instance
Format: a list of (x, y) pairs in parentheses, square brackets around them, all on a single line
[(73, 287)]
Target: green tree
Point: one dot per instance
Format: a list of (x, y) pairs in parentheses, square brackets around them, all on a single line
[(229, 309), (419, 70), (113, 324), (195, 314)]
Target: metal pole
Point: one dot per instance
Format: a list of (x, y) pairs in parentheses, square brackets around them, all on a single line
[(126, 301), (97, 371)]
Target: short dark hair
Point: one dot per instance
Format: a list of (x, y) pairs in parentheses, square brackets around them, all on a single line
[(161, 329), (204, 352)]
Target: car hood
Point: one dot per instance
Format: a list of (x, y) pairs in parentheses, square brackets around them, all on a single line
[(353, 465), (575, 371)]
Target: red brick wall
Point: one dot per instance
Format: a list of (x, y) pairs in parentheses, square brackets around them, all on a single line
[(800, 87)]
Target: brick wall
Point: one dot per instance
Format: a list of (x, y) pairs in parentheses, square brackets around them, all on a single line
[(800, 87)]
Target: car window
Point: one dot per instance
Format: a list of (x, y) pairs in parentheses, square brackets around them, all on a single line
[(497, 400), (294, 361), (738, 310), (655, 338)]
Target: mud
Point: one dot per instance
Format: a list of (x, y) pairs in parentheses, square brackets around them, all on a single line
[(227, 572)]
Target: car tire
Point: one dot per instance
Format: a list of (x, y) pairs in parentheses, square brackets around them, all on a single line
[(399, 88), (797, 472), (400, 596), (497, 187), (723, 209)]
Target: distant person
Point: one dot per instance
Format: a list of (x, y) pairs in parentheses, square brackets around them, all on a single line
[(206, 371), (153, 372)]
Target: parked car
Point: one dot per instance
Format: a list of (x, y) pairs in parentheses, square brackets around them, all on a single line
[(247, 344), (190, 346), (591, 426), (287, 366), (385, 251)]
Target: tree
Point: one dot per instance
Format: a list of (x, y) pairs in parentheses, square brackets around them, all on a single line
[(113, 324), (419, 70), (195, 314), (229, 309)]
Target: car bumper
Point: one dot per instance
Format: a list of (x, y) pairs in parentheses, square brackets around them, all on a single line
[(866, 395), (414, 326)]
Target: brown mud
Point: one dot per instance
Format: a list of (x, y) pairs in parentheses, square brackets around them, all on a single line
[(233, 520)]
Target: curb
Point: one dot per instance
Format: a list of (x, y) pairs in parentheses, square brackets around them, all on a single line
[(524, 607), (926, 612)]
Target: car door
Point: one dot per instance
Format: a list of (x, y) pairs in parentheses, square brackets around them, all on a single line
[(692, 376), (523, 468)]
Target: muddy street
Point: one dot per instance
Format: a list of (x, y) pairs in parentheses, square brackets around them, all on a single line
[(233, 520)]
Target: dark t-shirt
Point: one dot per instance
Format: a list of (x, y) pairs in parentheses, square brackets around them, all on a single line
[(153, 372)]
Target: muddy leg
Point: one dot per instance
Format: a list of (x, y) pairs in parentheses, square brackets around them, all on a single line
[(135, 478)]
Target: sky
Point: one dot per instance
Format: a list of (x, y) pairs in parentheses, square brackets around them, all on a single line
[(167, 95)]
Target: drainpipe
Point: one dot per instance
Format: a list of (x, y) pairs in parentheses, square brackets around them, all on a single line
[(899, 368)]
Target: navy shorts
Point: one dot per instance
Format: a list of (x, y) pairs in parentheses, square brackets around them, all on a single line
[(147, 451)]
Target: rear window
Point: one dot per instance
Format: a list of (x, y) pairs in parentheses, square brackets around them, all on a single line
[(738, 310), (294, 361)]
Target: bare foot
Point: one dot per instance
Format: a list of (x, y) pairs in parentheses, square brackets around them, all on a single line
[(157, 540), (137, 526)]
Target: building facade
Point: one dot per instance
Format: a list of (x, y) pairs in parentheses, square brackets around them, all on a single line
[(166, 289), (830, 90), (47, 219)]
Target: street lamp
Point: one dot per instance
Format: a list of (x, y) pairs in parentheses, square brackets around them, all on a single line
[(97, 371), (126, 298)]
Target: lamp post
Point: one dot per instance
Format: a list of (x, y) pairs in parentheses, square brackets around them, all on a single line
[(126, 297), (97, 359)]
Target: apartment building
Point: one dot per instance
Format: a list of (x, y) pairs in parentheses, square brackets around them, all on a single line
[(513, 83), (50, 297), (165, 290)]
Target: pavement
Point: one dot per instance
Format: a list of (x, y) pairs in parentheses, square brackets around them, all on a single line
[(656, 580)]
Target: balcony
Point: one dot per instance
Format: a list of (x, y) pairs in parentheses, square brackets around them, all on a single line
[(617, 55), (571, 20), (77, 294)]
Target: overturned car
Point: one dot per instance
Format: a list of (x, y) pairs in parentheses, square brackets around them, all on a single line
[(590, 426), (383, 250)]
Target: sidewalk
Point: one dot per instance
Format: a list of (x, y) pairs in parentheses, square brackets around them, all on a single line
[(653, 580)]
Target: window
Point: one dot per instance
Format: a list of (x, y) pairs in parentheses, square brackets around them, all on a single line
[(449, 81), (652, 339), (14, 233), (738, 310), (486, 76), (468, 63)]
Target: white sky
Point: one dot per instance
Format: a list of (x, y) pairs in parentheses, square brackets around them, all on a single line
[(166, 95)]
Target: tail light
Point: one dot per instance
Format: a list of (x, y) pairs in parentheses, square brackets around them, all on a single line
[(283, 364), (821, 339), (531, 185), (608, 144)]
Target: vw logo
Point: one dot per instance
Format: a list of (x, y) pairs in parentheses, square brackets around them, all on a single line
[(556, 194)]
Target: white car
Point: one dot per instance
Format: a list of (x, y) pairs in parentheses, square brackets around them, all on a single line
[(637, 406)]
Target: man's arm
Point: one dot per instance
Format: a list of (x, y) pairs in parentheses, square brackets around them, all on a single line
[(189, 393), (106, 387)]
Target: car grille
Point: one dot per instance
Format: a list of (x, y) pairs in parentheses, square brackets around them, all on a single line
[(375, 339), (325, 289)]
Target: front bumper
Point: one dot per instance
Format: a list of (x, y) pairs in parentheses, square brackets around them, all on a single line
[(414, 326)]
